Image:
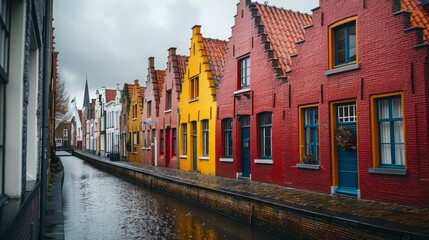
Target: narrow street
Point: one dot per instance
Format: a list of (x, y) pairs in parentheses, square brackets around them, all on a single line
[(98, 205)]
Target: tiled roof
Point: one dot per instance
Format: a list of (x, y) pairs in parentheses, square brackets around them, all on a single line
[(110, 95), (283, 28), (419, 17), (181, 65), (216, 53), (160, 78)]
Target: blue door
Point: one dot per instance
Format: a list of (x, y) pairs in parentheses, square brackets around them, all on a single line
[(347, 153), (245, 145)]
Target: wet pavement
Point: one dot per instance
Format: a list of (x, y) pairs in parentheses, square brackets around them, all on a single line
[(387, 216), (98, 205)]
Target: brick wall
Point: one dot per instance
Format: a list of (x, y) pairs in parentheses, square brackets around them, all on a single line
[(385, 55)]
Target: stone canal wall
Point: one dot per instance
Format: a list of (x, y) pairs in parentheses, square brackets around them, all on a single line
[(288, 221)]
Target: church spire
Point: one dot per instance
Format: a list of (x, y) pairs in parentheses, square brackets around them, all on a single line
[(86, 96)]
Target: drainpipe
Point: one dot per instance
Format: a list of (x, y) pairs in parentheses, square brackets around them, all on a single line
[(45, 116), (155, 147)]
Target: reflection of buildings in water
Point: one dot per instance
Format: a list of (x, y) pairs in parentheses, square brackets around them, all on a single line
[(188, 225)]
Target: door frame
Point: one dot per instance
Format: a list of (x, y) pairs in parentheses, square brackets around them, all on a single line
[(241, 145), (334, 152)]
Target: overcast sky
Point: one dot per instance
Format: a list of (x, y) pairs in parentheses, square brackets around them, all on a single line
[(109, 41)]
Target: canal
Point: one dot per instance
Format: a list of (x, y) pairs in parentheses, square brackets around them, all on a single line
[(97, 205)]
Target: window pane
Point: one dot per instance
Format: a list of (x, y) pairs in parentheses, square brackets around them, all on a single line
[(396, 108), (352, 43), (383, 109)]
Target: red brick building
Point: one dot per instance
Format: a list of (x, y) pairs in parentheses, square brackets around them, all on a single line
[(250, 99), (357, 102), (151, 105), (167, 120)]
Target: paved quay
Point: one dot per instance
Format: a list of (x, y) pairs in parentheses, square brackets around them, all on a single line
[(385, 216), (54, 208)]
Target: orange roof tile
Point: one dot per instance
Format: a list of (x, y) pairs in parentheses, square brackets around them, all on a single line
[(419, 17), (283, 28), (110, 95), (160, 78), (181, 65), (216, 53)]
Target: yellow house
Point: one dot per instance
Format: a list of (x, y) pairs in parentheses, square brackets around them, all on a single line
[(134, 144), (197, 104)]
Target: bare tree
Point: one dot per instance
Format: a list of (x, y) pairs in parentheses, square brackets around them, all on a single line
[(62, 100)]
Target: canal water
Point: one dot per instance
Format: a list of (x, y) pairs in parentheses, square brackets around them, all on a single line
[(98, 205)]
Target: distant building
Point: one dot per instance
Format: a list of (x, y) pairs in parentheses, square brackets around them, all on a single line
[(63, 136), (167, 120), (125, 101), (150, 114), (134, 143)]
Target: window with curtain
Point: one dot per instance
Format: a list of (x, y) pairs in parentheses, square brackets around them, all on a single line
[(227, 137), (310, 140), (390, 132), (184, 139), (265, 140), (205, 138)]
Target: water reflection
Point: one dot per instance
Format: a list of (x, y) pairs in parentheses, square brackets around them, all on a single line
[(98, 205)]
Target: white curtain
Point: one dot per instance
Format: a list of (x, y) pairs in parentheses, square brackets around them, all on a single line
[(386, 156)]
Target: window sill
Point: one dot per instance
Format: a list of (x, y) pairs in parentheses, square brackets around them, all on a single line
[(346, 68), (308, 166), (264, 161), (167, 111), (204, 158), (183, 156), (242, 91), (230, 160), (193, 100), (388, 171)]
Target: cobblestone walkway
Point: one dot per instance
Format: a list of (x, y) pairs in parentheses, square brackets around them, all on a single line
[(390, 216)]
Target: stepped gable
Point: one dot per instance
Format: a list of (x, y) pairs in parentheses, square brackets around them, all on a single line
[(280, 30), (419, 17), (216, 52), (179, 69), (160, 78), (110, 95)]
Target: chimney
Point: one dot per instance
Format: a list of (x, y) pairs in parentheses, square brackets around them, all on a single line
[(171, 51), (151, 62)]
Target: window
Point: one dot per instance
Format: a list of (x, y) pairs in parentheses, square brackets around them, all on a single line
[(174, 143), (135, 142), (149, 109), (184, 139), (144, 139), (227, 137), (194, 87), (390, 132), (168, 100), (309, 135), (161, 140), (265, 135), (343, 37), (244, 72), (205, 145)]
